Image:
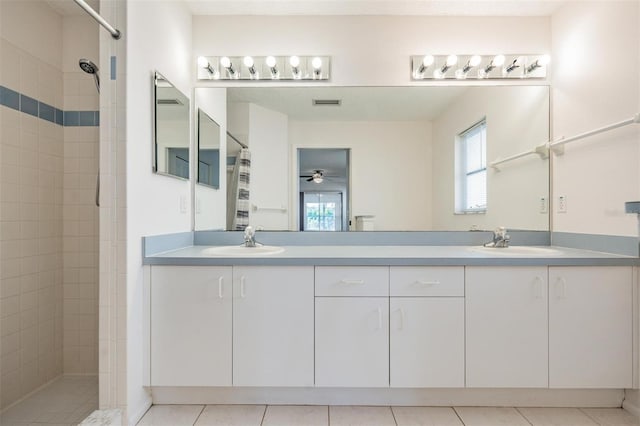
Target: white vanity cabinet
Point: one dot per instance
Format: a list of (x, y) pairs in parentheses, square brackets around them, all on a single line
[(273, 326), (191, 326), (352, 327), (590, 327), (426, 327), (506, 327)]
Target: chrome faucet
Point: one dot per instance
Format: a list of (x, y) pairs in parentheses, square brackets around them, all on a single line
[(249, 236), (500, 238)]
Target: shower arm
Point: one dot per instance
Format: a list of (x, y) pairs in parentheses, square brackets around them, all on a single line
[(114, 32)]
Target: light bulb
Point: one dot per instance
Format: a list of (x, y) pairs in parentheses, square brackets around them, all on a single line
[(270, 61), (544, 60), (248, 61), (498, 61), (452, 60), (203, 62), (294, 61), (316, 63), (438, 74), (475, 60), (225, 62), (427, 60)]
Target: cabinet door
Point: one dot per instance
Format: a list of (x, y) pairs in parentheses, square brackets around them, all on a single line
[(352, 341), (590, 327), (190, 326), (427, 342), (273, 326), (506, 327)]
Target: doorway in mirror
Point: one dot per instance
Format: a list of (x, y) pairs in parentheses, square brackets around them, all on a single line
[(323, 186)]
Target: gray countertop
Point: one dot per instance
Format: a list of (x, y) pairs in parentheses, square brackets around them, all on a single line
[(396, 255)]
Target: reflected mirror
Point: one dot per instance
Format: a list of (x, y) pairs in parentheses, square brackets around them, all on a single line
[(419, 158), (171, 142), (208, 151)]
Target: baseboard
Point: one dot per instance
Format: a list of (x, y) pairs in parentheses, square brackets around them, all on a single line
[(631, 402), (396, 397)]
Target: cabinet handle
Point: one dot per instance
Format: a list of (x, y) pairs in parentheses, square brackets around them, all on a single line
[(425, 283), (379, 319), (561, 288), (242, 287), (537, 285), (401, 326), (351, 282), (220, 282)]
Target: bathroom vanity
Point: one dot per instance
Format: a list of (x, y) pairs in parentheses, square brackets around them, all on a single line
[(366, 318)]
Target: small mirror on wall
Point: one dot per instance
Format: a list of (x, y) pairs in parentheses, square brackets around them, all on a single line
[(171, 142), (208, 151)]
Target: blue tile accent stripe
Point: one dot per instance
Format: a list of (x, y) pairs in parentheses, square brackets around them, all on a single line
[(20, 102), (113, 68)]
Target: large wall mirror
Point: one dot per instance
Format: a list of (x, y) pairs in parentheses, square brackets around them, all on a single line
[(418, 158), (171, 136)]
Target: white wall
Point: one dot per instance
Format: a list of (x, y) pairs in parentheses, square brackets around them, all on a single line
[(366, 50), (210, 203), (390, 168), (596, 82), (517, 120), (158, 37), (269, 184)]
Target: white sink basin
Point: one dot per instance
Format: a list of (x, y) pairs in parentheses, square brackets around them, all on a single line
[(242, 251), (520, 251)]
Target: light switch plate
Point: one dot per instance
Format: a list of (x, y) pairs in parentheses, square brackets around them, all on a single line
[(562, 204)]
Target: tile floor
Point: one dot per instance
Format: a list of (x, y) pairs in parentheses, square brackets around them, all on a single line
[(306, 415), (66, 401)]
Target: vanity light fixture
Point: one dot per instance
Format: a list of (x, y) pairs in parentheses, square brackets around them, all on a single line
[(271, 63), (204, 63), (473, 62), (543, 61), (249, 63), (316, 63), (226, 63), (465, 66), (294, 61), (260, 68)]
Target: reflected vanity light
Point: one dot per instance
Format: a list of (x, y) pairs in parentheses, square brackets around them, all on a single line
[(464, 66), (249, 67)]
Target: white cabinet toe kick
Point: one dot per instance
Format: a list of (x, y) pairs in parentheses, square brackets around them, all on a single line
[(392, 335)]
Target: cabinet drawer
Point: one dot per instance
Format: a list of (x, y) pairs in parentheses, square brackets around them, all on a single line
[(352, 281), (426, 281)]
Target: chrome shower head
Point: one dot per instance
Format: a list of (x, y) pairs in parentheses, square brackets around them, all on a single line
[(90, 68)]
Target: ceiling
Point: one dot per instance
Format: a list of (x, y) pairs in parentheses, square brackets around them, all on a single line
[(376, 7), (349, 7), (358, 103), (332, 162)]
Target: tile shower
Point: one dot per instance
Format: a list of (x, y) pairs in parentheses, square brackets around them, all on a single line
[(48, 218)]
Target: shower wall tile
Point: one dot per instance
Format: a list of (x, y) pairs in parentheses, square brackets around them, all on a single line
[(31, 221)]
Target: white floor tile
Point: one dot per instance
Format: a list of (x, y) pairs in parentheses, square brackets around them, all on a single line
[(556, 417), (611, 416), (231, 415), (490, 416), (360, 416), (426, 416), (296, 415), (171, 415)]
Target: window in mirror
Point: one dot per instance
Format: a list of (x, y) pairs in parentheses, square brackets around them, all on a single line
[(472, 162), (171, 144), (208, 151)]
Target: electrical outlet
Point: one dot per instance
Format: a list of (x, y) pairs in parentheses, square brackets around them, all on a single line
[(543, 205), (183, 204), (562, 204)]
